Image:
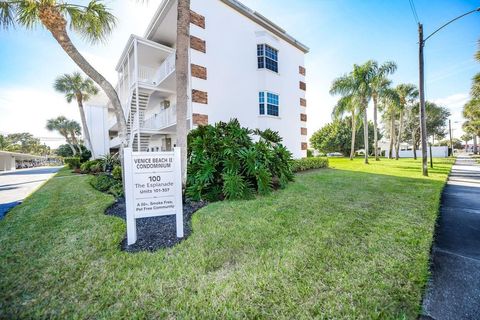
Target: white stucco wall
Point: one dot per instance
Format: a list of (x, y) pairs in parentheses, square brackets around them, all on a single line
[(98, 122), (234, 80)]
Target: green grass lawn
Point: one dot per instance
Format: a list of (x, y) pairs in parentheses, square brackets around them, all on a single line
[(352, 241)]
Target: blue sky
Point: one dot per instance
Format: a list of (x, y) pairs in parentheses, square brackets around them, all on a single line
[(338, 32)]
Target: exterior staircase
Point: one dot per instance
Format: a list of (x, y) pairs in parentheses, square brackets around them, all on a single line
[(132, 124)]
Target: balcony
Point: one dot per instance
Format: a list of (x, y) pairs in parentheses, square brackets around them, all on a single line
[(163, 119), (156, 76)]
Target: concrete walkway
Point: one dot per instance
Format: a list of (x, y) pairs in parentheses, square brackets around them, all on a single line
[(454, 289), (17, 185)]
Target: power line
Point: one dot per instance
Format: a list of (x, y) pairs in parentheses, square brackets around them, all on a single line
[(414, 11)]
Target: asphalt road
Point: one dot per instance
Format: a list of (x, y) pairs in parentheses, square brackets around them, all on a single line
[(454, 288), (17, 185)]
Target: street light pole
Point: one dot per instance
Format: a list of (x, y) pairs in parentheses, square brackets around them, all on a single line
[(423, 120), (450, 131)]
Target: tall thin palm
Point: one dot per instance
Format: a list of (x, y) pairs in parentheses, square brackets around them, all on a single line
[(93, 22), (389, 103), (379, 84), (60, 124), (358, 84), (181, 67), (345, 105), (407, 93), (74, 86), (74, 129)]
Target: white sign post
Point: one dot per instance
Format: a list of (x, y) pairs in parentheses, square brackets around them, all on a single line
[(153, 187)]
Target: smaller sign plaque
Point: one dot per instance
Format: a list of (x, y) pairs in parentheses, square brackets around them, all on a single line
[(153, 187)]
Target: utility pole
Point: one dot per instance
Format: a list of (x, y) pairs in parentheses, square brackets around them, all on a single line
[(423, 119), (450, 131)]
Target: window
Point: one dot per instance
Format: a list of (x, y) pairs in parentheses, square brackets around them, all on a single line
[(267, 57), (270, 105)]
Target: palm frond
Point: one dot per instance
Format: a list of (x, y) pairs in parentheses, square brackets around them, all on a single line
[(93, 22), (7, 14)]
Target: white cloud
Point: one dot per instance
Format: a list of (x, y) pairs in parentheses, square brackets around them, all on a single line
[(26, 109), (455, 103)]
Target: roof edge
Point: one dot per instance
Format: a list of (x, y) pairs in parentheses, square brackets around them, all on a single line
[(266, 23)]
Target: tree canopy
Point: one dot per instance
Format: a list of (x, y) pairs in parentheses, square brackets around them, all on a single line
[(336, 137), (23, 142)]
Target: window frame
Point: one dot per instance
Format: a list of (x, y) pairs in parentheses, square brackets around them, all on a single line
[(268, 101), (267, 60)]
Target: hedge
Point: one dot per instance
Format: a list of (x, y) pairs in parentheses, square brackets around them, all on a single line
[(304, 164)]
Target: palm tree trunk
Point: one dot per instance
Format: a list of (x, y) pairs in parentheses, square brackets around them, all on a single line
[(56, 24), (75, 142), (399, 137), (365, 132), (475, 146), (86, 132), (414, 143), (392, 135), (375, 128), (181, 67), (354, 131)]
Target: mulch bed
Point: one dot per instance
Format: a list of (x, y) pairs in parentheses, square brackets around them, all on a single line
[(158, 232)]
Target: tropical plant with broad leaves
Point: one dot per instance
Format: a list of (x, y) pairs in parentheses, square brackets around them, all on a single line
[(77, 88), (92, 21), (225, 163)]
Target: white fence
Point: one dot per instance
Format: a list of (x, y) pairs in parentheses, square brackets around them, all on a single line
[(437, 152)]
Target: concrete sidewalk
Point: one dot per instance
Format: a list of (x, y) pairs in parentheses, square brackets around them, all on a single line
[(454, 288), (17, 185)]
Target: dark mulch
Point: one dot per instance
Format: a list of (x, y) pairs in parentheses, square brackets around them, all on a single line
[(158, 232)]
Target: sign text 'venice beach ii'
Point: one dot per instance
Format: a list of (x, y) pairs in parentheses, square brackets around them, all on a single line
[(153, 187)]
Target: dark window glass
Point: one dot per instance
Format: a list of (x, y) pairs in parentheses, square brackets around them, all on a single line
[(267, 57)]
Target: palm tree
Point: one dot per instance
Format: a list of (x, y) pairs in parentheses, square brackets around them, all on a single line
[(74, 129), (358, 84), (379, 84), (407, 93), (348, 104), (390, 102), (74, 86), (93, 22), (181, 67), (60, 124)]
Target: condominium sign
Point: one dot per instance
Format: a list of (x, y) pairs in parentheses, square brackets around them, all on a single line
[(153, 187)]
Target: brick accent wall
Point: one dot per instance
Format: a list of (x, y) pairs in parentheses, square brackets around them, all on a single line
[(200, 119), (303, 86), (200, 96), (302, 70), (198, 44), (303, 131), (199, 71), (304, 146), (303, 117), (197, 19), (303, 102)]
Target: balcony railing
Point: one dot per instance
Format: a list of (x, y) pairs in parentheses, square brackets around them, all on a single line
[(167, 67), (165, 118)]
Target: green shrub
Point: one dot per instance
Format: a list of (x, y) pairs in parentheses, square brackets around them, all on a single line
[(103, 182), (116, 190), (224, 162), (309, 163), (109, 161), (309, 153), (117, 173), (72, 162), (90, 166)]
